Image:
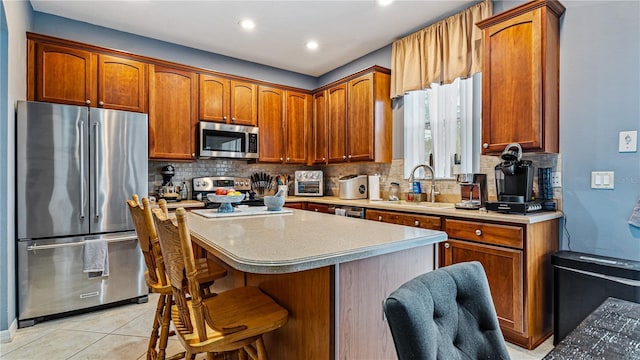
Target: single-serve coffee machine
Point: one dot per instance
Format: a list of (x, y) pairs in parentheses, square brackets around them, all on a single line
[(514, 183), (473, 191)]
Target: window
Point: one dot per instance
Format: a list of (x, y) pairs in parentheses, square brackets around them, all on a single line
[(439, 129)]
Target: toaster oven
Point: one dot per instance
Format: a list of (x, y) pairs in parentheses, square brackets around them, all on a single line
[(308, 183)]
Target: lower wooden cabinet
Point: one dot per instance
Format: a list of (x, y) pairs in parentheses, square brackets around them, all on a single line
[(417, 220), (322, 208), (503, 267), (517, 261), (296, 205)]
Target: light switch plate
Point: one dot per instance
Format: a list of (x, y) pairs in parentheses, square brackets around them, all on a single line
[(602, 180), (628, 141)]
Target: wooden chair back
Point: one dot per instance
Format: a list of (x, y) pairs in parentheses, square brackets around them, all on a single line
[(175, 242), (148, 239)]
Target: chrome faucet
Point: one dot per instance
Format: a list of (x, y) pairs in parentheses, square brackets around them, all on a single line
[(432, 188)]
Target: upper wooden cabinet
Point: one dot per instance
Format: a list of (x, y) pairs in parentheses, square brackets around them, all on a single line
[(73, 76), (228, 101), (320, 135), (173, 116), (283, 118), (358, 118), (520, 78)]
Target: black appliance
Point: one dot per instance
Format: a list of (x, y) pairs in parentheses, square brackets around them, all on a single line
[(209, 184), (581, 282), (514, 183)]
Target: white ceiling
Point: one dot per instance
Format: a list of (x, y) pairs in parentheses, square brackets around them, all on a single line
[(345, 30)]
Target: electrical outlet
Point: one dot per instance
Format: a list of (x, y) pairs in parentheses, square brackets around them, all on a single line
[(556, 179)]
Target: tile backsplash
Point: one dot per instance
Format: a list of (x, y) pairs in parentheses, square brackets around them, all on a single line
[(449, 189)]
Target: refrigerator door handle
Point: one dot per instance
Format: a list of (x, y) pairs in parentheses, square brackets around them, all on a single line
[(82, 194), (96, 174), (36, 247)]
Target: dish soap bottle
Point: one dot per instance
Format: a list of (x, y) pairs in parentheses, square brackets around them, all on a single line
[(184, 191)]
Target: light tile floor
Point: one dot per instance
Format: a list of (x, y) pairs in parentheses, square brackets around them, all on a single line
[(122, 333)]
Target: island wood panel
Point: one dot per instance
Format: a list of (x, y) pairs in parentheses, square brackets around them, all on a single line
[(307, 296), (362, 286)]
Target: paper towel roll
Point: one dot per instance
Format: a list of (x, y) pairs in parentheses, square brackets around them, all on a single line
[(374, 187)]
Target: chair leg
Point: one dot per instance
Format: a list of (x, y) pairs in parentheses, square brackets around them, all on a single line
[(164, 329), (242, 355), (153, 339), (262, 351)]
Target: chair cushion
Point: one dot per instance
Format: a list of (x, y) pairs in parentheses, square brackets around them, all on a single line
[(446, 314)]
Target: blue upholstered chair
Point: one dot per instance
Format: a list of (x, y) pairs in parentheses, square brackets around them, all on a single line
[(447, 313)]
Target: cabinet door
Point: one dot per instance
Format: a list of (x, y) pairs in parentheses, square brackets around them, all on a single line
[(504, 271), (512, 90), (319, 143), (122, 84), (214, 98), (244, 103), (64, 75), (173, 116), (337, 120), (360, 119), (271, 123), (296, 124)]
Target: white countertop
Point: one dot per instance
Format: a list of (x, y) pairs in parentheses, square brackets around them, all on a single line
[(302, 240), (428, 209)]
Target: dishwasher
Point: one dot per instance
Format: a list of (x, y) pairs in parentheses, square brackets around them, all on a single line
[(583, 281), (347, 210)]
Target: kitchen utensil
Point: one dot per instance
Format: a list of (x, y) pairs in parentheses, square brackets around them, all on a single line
[(274, 203), (394, 191)]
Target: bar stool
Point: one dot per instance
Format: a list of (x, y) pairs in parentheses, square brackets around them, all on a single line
[(156, 277), (230, 323)]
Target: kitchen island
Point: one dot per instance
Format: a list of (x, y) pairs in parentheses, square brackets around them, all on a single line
[(331, 272)]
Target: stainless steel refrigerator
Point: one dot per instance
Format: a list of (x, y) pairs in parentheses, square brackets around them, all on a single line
[(76, 167)]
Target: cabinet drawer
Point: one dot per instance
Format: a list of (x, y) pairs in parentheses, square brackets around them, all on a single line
[(505, 235), (323, 208), (421, 221)]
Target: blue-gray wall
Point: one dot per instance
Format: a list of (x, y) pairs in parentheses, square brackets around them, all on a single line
[(599, 96)]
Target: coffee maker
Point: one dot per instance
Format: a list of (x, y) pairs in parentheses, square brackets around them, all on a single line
[(514, 183), (168, 191), (473, 191)]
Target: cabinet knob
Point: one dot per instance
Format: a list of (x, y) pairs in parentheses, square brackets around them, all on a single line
[(379, 217), (288, 159), (417, 223), (478, 232), (281, 159), (233, 119), (323, 159), (446, 245), (344, 157), (101, 103), (193, 154), (349, 156), (88, 102), (485, 145), (224, 117), (316, 210)]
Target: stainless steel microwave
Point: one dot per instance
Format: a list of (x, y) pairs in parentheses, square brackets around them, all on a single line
[(227, 141)]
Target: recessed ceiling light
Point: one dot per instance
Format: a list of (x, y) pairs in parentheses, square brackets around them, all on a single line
[(247, 24), (384, 2), (312, 45)]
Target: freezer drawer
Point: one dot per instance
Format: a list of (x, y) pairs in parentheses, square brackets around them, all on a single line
[(51, 278), (583, 281)]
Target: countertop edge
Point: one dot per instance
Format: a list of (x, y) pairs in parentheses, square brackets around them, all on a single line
[(308, 263), (424, 209)]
